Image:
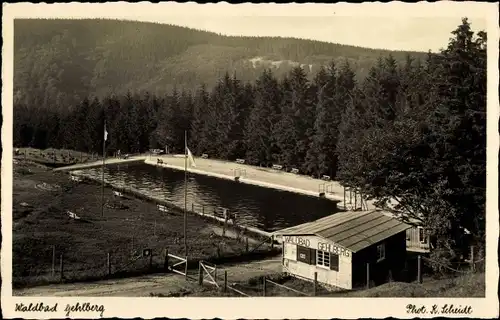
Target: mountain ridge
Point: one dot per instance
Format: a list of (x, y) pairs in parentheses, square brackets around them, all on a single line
[(59, 61)]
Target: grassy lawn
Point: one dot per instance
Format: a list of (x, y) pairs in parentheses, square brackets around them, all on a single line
[(41, 199)]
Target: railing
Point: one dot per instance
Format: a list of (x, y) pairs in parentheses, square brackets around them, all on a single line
[(265, 281)]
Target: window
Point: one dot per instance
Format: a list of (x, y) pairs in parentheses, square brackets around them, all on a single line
[(380, 252), (422, 235), (304, 255), (323, 258), (334, 262)]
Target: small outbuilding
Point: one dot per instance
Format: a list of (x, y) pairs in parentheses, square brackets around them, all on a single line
[(345, 248)]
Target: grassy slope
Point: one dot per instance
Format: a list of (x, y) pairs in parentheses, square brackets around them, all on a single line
[(122, 232), (468, 285)]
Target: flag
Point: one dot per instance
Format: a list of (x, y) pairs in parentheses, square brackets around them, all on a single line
[(190, 157), (105, 133)]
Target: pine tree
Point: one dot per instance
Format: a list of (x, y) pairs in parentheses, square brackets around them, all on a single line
[(285, 132), (197, 139), (259, 131)]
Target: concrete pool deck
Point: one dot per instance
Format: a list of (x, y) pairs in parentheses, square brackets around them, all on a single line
[(263, 177)]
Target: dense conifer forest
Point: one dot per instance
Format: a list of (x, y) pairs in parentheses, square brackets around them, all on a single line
[(414, 132)]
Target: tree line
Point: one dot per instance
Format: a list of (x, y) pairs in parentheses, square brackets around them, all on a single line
[(413, 134)]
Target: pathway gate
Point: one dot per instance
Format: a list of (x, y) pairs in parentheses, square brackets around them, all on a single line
[(182, 262), (208, 273)]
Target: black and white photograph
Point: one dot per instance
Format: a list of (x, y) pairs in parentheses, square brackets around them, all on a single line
[(155, 152)]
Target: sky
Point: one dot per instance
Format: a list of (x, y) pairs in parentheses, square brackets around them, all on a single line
[(419, 34), (394, 26)]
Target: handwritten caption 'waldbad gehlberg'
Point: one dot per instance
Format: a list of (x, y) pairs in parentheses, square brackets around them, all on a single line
[(70, 308)]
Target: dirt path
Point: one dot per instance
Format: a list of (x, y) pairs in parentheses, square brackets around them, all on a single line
[(158, 284)]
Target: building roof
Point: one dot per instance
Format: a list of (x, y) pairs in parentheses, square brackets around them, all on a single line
[(354, 230)]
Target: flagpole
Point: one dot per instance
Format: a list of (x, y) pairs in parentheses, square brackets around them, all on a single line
[(103, 164), (185, 193)]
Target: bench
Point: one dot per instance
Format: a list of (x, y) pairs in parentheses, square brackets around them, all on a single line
[(240, 161), (75, 178), (162, 208), (295, 171), (117, 194), (204, 156), (277, 167), (73, 215), (326, 178)]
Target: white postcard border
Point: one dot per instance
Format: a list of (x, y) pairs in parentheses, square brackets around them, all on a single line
[(268, 307)]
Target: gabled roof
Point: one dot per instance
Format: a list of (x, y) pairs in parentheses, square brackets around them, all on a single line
[(354, 230)]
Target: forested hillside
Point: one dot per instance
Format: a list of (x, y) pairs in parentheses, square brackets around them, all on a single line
[(414, 133), (58, 62)]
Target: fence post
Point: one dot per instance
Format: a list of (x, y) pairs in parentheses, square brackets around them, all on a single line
[(264, 285), (53, 260), (200, 274), (472, 264), (192, 207), (225, 226), (272, 242), (151, 260), (225, 280), (215, 274), (186, 269), (355, 199), (367, 276), (246, 244), (315, 288), (419, 269), (165, 262), (109, 263), (61, 266), (345, 208)]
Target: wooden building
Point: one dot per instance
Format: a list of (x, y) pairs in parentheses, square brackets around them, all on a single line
[(338, 248), (417, 240)]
